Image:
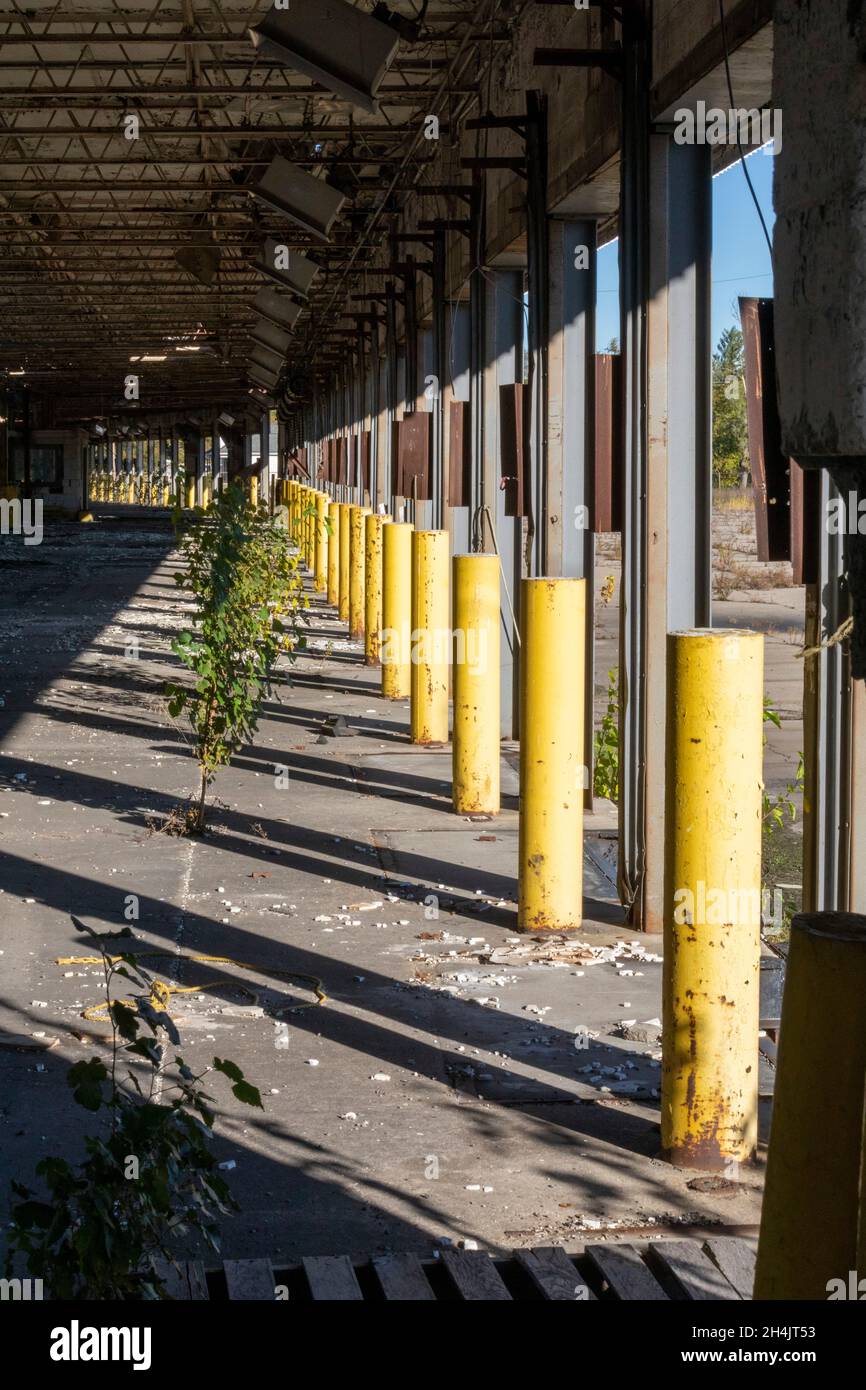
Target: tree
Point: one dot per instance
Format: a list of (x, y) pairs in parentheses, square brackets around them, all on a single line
[(247, 585), (730, 432)]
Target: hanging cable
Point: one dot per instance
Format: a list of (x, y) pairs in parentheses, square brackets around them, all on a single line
[(742, 153)]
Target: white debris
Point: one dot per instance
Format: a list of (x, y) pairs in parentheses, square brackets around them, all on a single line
[(380, 1076)]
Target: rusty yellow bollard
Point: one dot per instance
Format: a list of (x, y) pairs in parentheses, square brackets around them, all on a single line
[(334, 517), (812, 1191), (475, 747), (712, 898), (322, 540), (396, 646), (343, 605), (552, 777), (357, 551), (373, 528), (431, 637), (254, 491), (189, 498)]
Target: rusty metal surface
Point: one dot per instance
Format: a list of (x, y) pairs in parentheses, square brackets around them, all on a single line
[(514, 447), (415, 448), (459, 454), (771, 469), (608, 460)]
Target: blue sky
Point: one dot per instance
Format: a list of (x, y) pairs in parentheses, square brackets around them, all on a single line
[(741, 260)]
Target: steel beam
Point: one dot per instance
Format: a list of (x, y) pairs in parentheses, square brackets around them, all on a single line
[(634, 276), (503, 366), (458, 378), (569, 542)]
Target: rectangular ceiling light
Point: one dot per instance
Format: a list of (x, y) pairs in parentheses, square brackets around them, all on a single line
[(265, 357), (267, 380), (281, 311), (331, 41), (288, 268), (267, 335), (308, 202)]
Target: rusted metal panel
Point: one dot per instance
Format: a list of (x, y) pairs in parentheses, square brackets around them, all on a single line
[(415, 434), (297, 463), (459, 454), (514, 447), (771, 469), (342, 461), (608, 461), (364, 459)]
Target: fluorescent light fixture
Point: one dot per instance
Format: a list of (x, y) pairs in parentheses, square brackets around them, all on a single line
[(331, 41), (188, 347), (17, 371), (266, 335), (225, 419), (308, 202), (154, 357), (281, 311), (267, 358), (262, 380), (286, 267)]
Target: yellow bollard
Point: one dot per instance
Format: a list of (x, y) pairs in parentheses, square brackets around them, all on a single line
[(254, 491), (343, 595), (430, 637), (712, 898), (373, 527), (206, 495), (396, 646), (178, 491), (312, 516), (475, 752), (357, 548), (322, 539), (190, 491), (552, 776), (334, 555), (814, 1162)]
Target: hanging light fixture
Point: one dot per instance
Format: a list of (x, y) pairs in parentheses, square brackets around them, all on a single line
[(281, 311), (308, 202), (331, 41), (286, 267)]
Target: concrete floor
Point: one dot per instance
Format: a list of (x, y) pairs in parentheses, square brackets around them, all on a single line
[(468, 1085)]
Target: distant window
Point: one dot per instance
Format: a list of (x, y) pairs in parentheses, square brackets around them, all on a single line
[(46, 465)]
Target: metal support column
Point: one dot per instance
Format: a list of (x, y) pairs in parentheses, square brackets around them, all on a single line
[(569, 542), (458, 377), (503, 363), (665, 256)]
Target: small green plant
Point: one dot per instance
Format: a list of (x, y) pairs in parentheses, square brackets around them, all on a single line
[(781, 809), (246, 581), (148, 1176), (606, 744)]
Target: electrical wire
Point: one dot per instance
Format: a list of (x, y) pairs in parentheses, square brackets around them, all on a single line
[(739, 141)]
